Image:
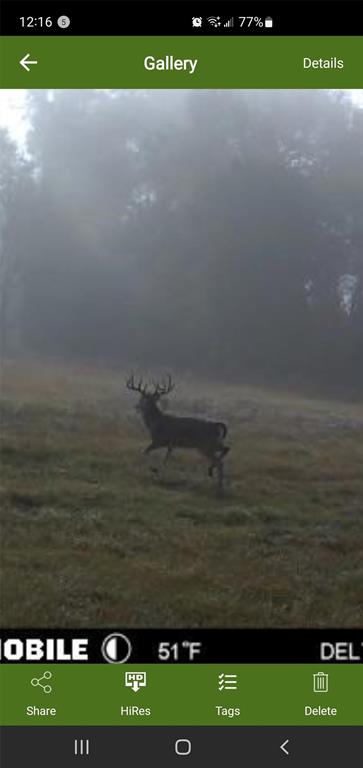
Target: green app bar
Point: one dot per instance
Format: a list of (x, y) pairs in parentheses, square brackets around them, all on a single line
[(97, 694), (181, 62)]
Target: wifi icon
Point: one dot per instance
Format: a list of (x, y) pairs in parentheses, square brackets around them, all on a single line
[(215, 21)]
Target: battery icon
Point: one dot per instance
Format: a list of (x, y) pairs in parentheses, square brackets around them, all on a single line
[(268, 22)]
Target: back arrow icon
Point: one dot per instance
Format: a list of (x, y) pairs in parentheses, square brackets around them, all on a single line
[(282, 746), (25, 61)]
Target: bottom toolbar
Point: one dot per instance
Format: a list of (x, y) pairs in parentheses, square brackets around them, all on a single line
[(188, 746), (181, 695)]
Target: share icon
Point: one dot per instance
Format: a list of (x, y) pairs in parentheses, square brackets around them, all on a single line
[(38, 681)]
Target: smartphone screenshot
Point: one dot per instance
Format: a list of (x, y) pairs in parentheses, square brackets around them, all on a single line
[(181, 318)]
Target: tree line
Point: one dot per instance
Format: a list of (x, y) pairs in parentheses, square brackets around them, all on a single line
[(214, 231)]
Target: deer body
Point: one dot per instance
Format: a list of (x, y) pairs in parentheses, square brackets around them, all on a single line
[(168, 431), (182, 431)]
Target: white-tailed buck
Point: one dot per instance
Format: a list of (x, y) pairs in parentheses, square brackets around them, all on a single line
[(179, 431)]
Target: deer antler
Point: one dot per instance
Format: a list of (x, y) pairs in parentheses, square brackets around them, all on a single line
[(130, 383), (164, 387)]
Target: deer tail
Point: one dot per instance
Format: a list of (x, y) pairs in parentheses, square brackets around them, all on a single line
[(222, 429)]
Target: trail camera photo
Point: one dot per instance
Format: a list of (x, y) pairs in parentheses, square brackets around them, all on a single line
[(181, 314)]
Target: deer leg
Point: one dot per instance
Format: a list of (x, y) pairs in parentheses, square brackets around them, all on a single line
[(220, 474), (168, 453), (212, 458), (146, 451), (214, 463), (218, 464)]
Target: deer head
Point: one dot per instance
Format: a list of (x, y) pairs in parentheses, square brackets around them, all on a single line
[(147, 404)]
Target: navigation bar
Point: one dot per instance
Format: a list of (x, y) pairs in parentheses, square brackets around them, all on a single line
[(187, 747)]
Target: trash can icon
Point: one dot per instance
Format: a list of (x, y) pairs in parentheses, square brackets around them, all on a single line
[(321, 682)]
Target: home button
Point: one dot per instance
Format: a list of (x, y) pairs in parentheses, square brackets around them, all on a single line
[(183, 747)]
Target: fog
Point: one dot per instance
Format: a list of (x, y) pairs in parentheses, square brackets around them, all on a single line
[(214, 232)]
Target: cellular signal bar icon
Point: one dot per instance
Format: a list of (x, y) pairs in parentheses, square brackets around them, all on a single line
[(229, 23)]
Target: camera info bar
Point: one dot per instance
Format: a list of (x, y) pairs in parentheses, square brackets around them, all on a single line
[(181, 646)]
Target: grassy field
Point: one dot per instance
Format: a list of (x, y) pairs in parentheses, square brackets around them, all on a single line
[(91, 537)]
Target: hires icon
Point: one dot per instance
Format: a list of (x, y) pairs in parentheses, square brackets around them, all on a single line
[(135, 680)]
